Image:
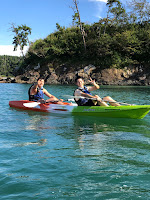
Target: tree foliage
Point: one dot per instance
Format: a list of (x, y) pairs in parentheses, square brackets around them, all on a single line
[(140, 9), (119, 40), (8, 64), (21, 36), (77, 19)]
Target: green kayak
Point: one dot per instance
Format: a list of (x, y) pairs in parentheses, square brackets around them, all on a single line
[(129, 111), (134, 112)]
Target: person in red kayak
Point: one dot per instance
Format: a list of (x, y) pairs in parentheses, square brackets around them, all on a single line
[(36, 92), (88, 99)]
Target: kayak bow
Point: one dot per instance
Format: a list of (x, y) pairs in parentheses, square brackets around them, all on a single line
[(131, 111)]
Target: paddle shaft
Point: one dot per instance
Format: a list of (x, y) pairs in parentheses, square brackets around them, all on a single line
[(102, 100)]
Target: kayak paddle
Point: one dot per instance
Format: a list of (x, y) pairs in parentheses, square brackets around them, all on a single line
[(69, 96)]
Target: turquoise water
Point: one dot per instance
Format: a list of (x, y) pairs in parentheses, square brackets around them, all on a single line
[(44, 156)]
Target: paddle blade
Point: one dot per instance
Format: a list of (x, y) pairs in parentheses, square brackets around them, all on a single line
[(31, 105)]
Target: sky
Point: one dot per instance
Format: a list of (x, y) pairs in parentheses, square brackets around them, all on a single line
[(41, 16)]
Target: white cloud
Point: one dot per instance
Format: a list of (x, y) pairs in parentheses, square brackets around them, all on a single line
[(105, 1), (101, 9), (8, 50)]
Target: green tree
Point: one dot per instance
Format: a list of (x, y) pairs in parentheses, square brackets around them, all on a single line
[(140, 9), (8, 64), (21, 36), (77, 20), (116, 12)]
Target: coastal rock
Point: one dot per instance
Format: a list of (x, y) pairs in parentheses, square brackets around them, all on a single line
[(89, 69), (27, 77), (111, 76), (52, 79), (67, 78), (66, 75), (3, 79), (7, 80)]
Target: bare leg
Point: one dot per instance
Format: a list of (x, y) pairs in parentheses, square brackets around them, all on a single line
[(100, 102), (111, 101)]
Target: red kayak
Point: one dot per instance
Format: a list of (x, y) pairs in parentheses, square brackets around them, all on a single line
[(37, 106)]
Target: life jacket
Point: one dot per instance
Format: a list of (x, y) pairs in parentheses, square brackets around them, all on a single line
[(82, 101), (39, 95)]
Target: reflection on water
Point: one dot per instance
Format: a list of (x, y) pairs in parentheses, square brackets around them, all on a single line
[(100, 133), (97, 125), (36, 122), (83, 125), (40, 142)]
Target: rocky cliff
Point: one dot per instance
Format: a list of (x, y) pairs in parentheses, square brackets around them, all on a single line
[(65, 75)]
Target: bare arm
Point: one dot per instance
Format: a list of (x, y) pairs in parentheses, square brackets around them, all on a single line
[(80, 93), (94, 87), (34, 89), (87, 95), (49, 95)]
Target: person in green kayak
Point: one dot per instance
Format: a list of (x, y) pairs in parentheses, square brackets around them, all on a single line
[(36, 92), (83, 97)]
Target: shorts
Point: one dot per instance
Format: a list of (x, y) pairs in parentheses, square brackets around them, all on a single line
[(89, 103)]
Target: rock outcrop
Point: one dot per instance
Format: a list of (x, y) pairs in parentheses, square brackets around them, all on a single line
[(65, 75)]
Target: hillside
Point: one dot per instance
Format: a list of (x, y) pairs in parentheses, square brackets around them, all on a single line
[(120, 42)]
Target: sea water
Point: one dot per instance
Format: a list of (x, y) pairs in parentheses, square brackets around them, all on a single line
[(47, 156)]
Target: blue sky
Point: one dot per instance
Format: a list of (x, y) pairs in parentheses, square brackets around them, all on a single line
[(42, 16)]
